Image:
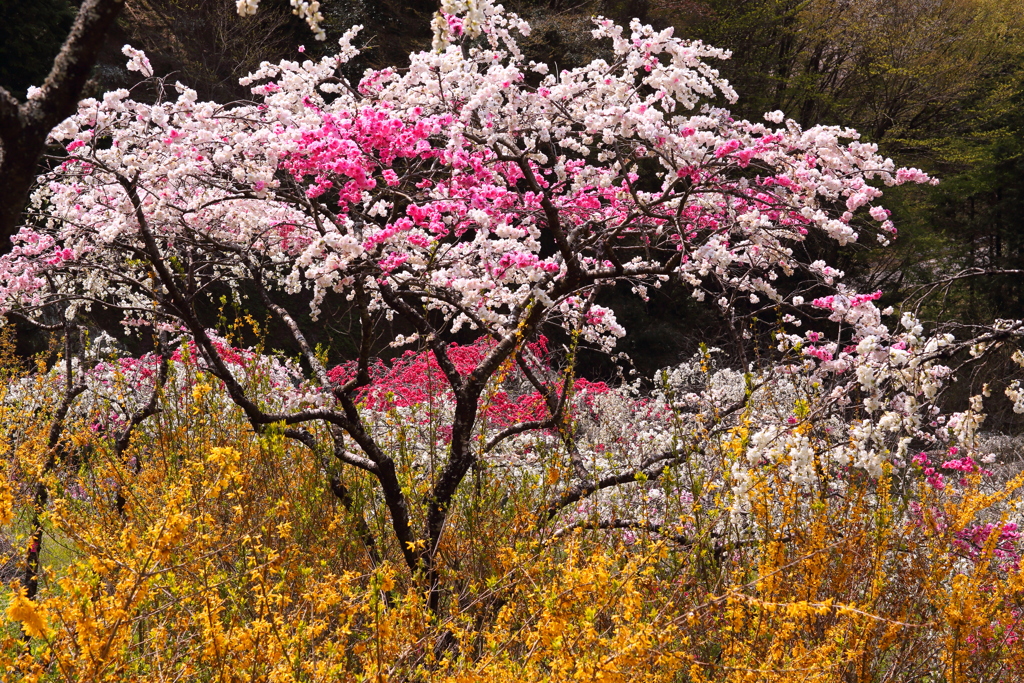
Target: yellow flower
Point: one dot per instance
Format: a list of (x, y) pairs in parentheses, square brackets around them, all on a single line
[(23, 610), (6, 504), (200, 390)]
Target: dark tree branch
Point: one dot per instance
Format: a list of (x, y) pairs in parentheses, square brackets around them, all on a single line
[(719, 548), (30, 579), (339, 490), (362, 377), (150, 409), (648, 471), (519, 428), (286, 318), (379, 463), (21, 317), (24, 126), (428, 333), (124, 438), (628, 524)]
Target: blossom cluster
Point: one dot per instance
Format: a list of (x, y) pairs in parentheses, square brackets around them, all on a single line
[(449, 179)]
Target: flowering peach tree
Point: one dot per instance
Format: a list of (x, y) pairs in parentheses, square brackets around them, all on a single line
[(476, 201)]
